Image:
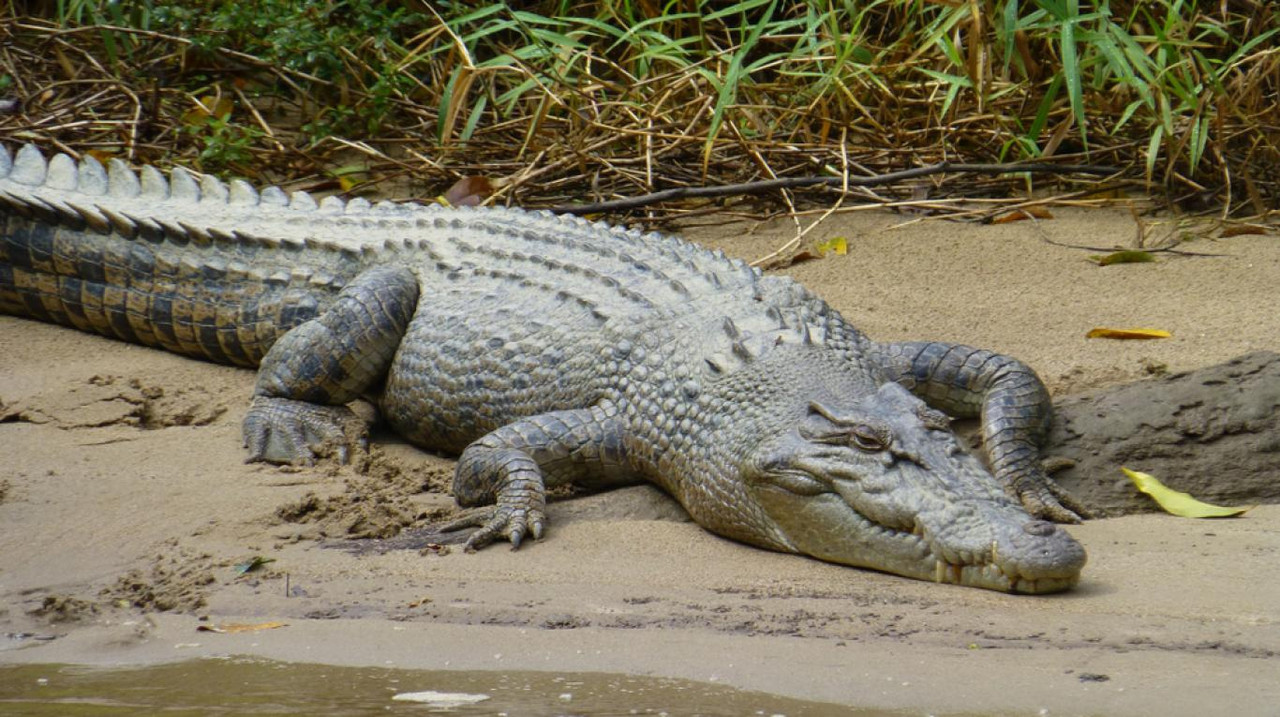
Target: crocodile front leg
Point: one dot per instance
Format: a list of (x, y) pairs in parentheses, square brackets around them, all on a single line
[(512, 466), (1013, 404), (305, 381)]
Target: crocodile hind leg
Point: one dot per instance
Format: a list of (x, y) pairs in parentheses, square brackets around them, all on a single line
[(511, 467), (1013, 404), (305, 381)]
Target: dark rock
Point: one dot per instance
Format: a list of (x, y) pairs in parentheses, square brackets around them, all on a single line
[(1213, 433)]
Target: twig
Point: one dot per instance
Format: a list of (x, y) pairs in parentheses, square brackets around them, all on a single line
[(771, 185)]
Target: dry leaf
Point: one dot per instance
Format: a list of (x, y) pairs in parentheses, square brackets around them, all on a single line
[(1128, 334), (815, 250), (468, 192), (102, 155), (1178, 503), (1235, 230), (68, 67), (234, 627), (1129, 256), (1018, 215)]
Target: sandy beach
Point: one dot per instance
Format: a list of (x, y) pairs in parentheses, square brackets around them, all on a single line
[(125, 504)]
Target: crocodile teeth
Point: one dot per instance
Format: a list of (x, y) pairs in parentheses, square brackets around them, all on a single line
[(944, 572)]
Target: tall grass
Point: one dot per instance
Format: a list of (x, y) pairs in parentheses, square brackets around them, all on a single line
[(614, 98)]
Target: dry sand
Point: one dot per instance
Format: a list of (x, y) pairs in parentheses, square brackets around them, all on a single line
[(125, 504)]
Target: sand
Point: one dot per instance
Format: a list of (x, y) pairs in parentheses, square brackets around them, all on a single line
[(125, 505)]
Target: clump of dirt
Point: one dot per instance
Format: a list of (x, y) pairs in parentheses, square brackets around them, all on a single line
[(64, 608), (5, 489), (174, 582), (155, 408), (351, 514), (437, 479), (374, 502), (106, 400), (1210, 432)]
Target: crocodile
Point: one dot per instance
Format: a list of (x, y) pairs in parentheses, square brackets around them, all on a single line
[(547, 350)]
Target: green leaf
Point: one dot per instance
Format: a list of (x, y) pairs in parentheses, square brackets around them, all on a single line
[(1153, 150), (1179, 503), (474, 119), (1008, 26), (1199, 138), (1126, 115), (1046, 107), (1071, 73), (729, 88), (742, 7), (252, 564)]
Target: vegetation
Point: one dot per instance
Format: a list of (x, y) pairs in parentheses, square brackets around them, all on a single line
[(571, 101)]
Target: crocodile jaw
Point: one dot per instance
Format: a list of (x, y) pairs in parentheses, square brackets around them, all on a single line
[(828, 528)]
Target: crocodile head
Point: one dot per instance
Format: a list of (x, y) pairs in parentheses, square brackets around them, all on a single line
[(850, 470)]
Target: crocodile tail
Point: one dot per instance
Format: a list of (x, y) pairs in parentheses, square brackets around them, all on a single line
[(69, 254)]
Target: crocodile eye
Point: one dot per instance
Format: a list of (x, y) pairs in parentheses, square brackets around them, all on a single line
[(869, 437)]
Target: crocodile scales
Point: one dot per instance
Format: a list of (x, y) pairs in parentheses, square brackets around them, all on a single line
[(548, 350)]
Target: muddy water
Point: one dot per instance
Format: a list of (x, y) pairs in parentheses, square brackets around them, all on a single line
[(229, 687)]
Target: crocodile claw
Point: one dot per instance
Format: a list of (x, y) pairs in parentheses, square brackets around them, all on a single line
[(505, 521), (1043, 498), (282, 430)]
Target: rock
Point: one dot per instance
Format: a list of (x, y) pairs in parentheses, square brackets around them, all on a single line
[(1213, 433)]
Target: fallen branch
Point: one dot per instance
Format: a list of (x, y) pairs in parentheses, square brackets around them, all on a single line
[(770, 185)]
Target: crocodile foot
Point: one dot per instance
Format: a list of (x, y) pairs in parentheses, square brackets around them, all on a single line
[(1043, 498), (282, 430), (492, 522)]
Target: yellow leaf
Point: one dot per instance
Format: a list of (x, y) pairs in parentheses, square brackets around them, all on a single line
[(1128, 334), (1179, 503), (349, 176), (207, 108), (240, 627), (837, 245)]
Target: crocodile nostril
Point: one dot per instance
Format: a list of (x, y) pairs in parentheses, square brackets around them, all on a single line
[(1039, 528)]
